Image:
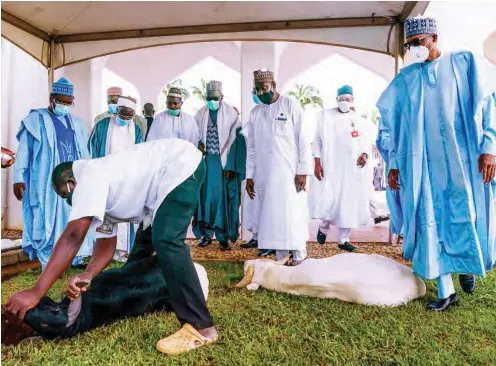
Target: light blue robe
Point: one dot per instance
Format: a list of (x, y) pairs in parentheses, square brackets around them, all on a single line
[(97, 145), (441, 119), (45, 214), (392, 197)]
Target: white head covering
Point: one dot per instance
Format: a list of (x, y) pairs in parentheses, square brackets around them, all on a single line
[(125, 102)]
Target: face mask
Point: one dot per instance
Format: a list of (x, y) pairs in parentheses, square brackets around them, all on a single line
[(256, 100), (344, 106), (266, 98), (419, 53), (112, 108), (123, 122), (213, 105), (68, 196), (174, 112), (61, 110)]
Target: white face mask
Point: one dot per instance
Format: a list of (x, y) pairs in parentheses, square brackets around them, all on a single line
[(419, 53), (344, 106)]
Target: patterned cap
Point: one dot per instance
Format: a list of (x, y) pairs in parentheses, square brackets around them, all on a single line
[(345, 89), (63, 87), (175, 92), (114, 91), (420, 25), (263, 76), (214, 85)]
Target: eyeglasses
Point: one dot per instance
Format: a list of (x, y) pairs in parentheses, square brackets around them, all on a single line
[(125, 117), (415, 42), (71, 104)]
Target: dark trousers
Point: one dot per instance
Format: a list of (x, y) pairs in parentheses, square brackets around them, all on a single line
[(168, 232)]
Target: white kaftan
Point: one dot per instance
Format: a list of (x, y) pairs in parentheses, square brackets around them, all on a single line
[(120, 138), (342, 197), (182, 127), (278, 149), (130, 186)]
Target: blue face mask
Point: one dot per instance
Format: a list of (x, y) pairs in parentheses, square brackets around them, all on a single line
[(123, 122), (255, 99), (112, 108), (213, 105), (61, 110), (174, 112)]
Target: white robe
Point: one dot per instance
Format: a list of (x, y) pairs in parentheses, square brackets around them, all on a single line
[(165, 126), (120, 138), (278, 149), (227, 123), (342, 196)]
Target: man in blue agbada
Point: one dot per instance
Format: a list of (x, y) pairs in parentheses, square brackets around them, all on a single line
[(441, 114), (48, 137)]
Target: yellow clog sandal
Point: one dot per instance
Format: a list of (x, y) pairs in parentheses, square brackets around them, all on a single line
[(184, 340)]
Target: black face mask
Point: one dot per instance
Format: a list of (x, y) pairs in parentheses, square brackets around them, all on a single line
[(266, 98), (68, 198)]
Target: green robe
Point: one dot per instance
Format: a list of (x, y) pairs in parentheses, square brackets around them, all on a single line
[(231, 195), (97, 145)]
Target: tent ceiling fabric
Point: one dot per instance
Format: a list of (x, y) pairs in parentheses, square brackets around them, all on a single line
[(88, 29)]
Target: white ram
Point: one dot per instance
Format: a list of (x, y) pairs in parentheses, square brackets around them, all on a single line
[(367, 279)]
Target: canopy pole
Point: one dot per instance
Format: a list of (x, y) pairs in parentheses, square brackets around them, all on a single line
[(51, 70), (396, 70)]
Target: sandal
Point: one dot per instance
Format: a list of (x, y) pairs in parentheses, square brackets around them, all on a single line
[(184, 340)]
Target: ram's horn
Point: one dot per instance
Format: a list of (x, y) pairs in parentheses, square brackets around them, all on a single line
[(247, 278), (283, 261)]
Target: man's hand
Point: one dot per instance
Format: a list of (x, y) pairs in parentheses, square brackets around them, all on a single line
[(394, 179), (362, 160), (77, 284), (229, 174), (487, 166), (300, 182), (202, 148), (318, 171), (6, 164), (19, 189), (23, 301), (250, 188)]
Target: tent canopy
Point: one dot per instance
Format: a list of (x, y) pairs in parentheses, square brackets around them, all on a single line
[(62, 33)]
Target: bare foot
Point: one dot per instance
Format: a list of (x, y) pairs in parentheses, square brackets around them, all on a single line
[(210, 333)]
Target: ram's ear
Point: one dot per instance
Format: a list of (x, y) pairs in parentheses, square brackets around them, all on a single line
[(283, 261)]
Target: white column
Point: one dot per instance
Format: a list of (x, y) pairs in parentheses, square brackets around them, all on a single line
[(81, 76), (254, 56)]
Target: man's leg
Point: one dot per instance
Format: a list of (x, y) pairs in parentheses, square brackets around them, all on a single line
[(376, 212), (169, 231), (207, 234), (143, 245), (446, 294), (344, 240), (323, 230)]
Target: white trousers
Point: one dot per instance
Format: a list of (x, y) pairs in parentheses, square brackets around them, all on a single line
[(445, 286), (375, 211), (298, 255), (344, 233)]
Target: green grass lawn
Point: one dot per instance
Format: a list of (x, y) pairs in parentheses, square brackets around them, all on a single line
[(268, 328)]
